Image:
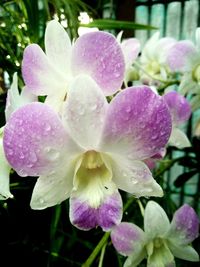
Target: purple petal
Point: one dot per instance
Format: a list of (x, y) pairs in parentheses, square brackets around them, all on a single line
[(138, 124), (179, 107), (184, 226), (107, 215), (178, 55), (131, 49), (39, 75), (99, 55), (126, 237), (35, 141)]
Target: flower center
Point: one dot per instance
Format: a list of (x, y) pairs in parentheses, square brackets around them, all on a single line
[(196, 74), (92, 178)]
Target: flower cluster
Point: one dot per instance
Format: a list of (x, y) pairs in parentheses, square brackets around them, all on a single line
[(94, 135)]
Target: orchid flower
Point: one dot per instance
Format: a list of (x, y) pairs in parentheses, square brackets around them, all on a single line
[(185, 57), (130, 48), (96, 54), (153, 58), (14, 101), (160, 241), (180, 111), (91, 151)]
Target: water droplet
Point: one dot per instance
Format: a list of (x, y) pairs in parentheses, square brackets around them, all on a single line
[(41, 201), (52, 153), (10, 152), (47, 127), (93, 106), (116, 74), (21, 155), (33, 157)]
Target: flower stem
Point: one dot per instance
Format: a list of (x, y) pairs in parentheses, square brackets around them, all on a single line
[(96, 251), (102, 255), (141, 207)]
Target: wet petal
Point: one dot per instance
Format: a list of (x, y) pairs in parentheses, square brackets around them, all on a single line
[(156, 222), (4, 174), (178, 55), (35, 141), (179, 107), (131, 49), (138, 124), (85, 111), (128, 238), (179, 139), (183, 252), (86, 217), (184, 226), (54, 188), (58, 46), (99, 55), (134, 177), (39, 75)]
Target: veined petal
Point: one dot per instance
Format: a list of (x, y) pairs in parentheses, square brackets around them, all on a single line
[(85, 111), (35, 141), (179, 107), (137, 125), (183, 252), (99, 55), (58, 46), (178, 55), (131, 49), (4, 174), (54, 188), (184, 226), (128, 238), (134, 259), (179, 139), (156, 222), (134, 177), (39, 74), (107, 215)]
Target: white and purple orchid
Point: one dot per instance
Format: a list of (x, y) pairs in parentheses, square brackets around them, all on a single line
[(160, 241), (96, 54), (91, 151)]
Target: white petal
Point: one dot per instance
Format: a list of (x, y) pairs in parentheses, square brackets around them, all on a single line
[(156, 222), (85, 111), (179, 139), (58, 46), (4, 174), (184, 252)]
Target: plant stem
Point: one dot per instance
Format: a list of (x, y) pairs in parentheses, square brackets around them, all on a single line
[(141, 207), (102, 255), (96, 251)]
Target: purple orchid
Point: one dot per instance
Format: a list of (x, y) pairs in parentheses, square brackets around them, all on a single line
[(160, 241), (90, 151), (96, 54)]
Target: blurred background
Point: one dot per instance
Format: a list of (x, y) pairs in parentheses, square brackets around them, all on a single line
[(46, 238)]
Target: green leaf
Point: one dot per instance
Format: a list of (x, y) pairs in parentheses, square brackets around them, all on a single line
[(117, 24)]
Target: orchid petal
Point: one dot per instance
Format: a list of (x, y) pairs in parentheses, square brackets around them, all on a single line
[(184, 226), (128, 238), (35, 142), (130, 49), (107, 215), (40, 76), (156, 222), (197, 35), (99, 55), (85, 111), (178, 55), (4, 175), (134, 259), (179, 139), (54, 188), (58, 46), (138, 124), (179, 107), (16, 100), (161, 257), (183, 252), (134, 177)]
